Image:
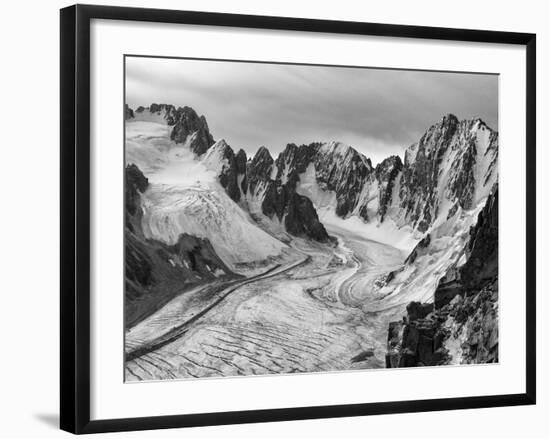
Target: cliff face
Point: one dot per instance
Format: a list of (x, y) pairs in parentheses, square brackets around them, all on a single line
[(461, 326)]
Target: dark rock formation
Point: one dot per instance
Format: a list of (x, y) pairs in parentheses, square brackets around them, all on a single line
[(419, 249), (301, 218), (135, 183), (196, 254), (482, 250), (295, 159), (258, 170), (240, 162), (229, 173), (280, 198), (481, 266), (188, 123), (128, 112), (386, 173), (465, 307)]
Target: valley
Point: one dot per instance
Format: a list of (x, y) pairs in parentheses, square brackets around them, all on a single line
[(310, 316), (241, 265)]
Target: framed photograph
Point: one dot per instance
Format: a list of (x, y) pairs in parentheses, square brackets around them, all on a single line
[(268, 218)]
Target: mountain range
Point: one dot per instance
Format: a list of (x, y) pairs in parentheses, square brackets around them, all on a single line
[(244, 212)]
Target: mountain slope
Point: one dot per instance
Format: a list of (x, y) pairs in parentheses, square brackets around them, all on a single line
[(184, 195), (154, 271), (461, 325)]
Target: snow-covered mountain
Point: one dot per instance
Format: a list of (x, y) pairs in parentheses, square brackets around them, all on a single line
[(185, 196), (424, 204), (451, 168)]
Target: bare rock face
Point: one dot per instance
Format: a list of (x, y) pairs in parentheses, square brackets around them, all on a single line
[(196, 254), (188, 123), (386, 174), (482, 250), (465, 309), (135, 183), (295, 159), (240, 163), (342, 169), (301, 218), (421, 172), (446, 156), (229, 173), (258, 170)]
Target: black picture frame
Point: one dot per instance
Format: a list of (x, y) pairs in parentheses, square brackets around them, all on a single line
[(75, 217)]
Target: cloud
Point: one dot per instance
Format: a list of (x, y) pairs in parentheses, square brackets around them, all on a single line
[(378, 111)]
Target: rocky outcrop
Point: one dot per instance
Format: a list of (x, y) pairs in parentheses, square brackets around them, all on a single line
[(278, 194), (128, 112), (189, 126), (135, 183), (386, 173), (482, 251), (461, 326), (221, 159), (197, 255), (301, 218), (167, 111), (419, 249), (461, 332)]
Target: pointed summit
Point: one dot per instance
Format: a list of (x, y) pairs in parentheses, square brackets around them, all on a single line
[(189, 127)]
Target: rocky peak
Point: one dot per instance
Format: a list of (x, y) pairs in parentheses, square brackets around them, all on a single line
[(262, 156), (189, 127), (241, 161), (294, 160), (259, 169), (168, 111), (448, 160), (221, 159), (387, 166), (386, 173), (342, 169)]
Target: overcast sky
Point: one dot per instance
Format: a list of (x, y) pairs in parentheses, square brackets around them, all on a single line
[(379, 112)]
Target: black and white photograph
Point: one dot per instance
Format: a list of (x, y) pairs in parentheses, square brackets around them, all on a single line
[(275, 219), (294, 218)]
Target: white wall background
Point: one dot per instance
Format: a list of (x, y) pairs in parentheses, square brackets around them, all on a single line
[(29, 248)]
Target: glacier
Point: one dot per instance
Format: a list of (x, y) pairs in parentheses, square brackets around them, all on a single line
[(302, 303)]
